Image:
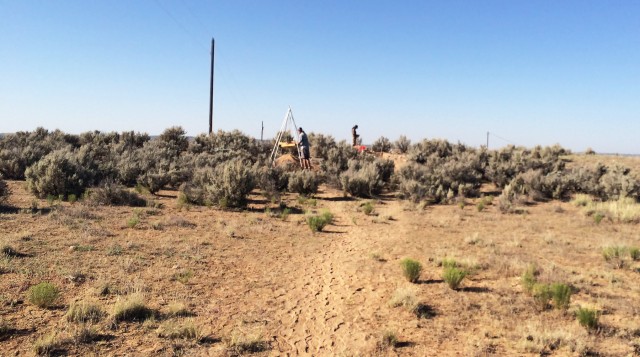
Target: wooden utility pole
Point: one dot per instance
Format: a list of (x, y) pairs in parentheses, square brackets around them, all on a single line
[(487, 140), (213, 47)]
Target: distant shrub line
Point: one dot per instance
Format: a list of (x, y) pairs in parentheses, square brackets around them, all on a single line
[(222, 168)]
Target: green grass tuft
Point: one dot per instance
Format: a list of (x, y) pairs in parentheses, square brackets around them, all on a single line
[(43, 294), (588, 318), (411, 269), (453, 277)]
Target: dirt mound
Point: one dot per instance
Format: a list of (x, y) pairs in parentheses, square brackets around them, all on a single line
[(286, 160)]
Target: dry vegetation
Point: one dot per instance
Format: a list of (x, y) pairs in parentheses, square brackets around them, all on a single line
[(115, 244)]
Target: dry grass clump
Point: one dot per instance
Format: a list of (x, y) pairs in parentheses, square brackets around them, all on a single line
[(84, 311), (625, 209), (48, 345), (405, 297), (43, 295), (241, 343), (389, 339), (131, 308), (179, 330), (614, 255), (178, 309)]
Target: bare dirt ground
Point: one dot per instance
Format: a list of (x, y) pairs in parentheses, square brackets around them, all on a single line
[(252, 275)]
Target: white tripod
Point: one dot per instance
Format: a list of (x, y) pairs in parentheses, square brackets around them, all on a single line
[(283, 129)]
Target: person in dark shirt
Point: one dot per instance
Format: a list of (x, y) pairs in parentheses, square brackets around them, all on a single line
[(355, 135), (305, 155)]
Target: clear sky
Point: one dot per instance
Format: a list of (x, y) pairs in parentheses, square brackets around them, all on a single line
[(530, 72)]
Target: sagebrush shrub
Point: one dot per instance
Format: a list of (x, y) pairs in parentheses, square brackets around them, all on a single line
[(321, 144), (366, 178), (411, 269), (337, 161), (271, 180), (43, 294), (57, 174), (402, 145), (23, 149), (435, 178), (304, 182), (5, 191), (381, 144), (226, 185), (112, 194)]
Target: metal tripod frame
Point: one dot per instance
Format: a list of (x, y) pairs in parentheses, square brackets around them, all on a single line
[(283, 128)]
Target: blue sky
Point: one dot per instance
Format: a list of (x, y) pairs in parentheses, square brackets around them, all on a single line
[(530, 72)]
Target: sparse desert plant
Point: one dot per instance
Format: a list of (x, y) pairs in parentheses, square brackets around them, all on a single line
[(529, 278), (561, 295), (480, 206), (541, 294), (588, 318), (614, 256), (240, 343), (5, 329), (405, 297), (84, 311), (133, 221), (316, 223), (389, 339), (411, 269), (448, 263), (47, 345), (43, 295), (453, 277), (367, 208), (597, 217), (183, 276), (634, 253), (131, 308), (327, 216), (178, 309), (581, 200)]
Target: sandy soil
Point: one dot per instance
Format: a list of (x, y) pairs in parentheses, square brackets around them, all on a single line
[(253, 275)]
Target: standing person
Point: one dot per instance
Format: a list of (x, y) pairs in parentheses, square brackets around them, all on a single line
[(304, 150), (355, 135)]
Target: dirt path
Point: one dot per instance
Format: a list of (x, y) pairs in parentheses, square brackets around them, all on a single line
[(327, 309)]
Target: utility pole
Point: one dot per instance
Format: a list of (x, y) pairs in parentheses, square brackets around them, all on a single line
[(262, 131), (213, 47), (487, 140)]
